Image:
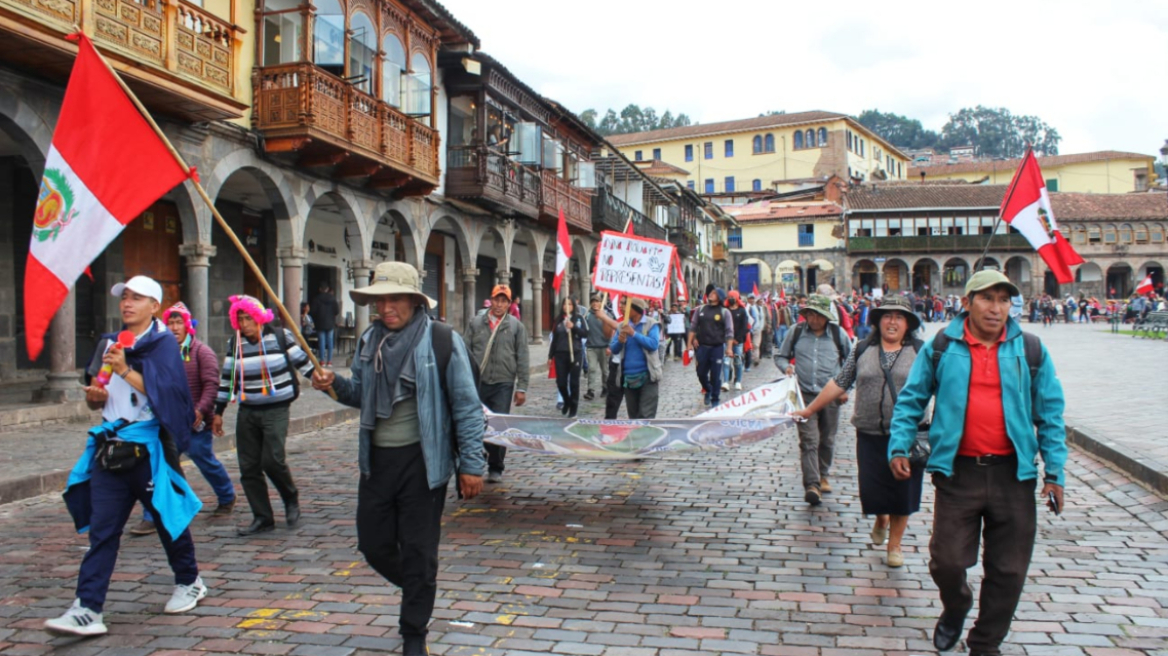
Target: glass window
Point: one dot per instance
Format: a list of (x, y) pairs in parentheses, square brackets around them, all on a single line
[(391, 70), (1093, 235), (1125, 234), (689, 152), (328, 37), (1157, 234), (756, 185), (1109, 235), (822, 137), (729, 148), (362, 50), (656, 153), (849, 138), (756, 144), (1141, 234), (638, 156), (861, 147), (768, 143), (419, 86), (881, 227), (809, 138), (729, 184), (709, 185), (690, 184), (708, 150), (798, 140), (282, 33)]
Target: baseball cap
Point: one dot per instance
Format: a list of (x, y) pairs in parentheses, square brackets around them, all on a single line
[(141, 285), (638, 303), (501, 289), (987, 278)]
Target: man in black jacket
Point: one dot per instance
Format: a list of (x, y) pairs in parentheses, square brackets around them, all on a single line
[(324, 313)]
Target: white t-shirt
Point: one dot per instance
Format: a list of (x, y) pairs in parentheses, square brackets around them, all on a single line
[(124, 401)]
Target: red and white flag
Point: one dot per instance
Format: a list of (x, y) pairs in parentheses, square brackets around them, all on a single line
[(1146, 286), (563, 251), (104, 168), (755, 290), (682, 291), (1026, 207)]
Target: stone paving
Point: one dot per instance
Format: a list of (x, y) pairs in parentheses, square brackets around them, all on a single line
[(703, 554)]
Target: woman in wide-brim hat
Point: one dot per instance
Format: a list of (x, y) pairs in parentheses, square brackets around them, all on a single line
[(892, 347)]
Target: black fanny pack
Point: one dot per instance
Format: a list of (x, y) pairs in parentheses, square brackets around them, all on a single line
[(114, 455)]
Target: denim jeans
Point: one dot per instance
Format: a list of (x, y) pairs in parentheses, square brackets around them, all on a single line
[(201, 453), (780, 335), (326, 339), (709, 369), (733, 366)]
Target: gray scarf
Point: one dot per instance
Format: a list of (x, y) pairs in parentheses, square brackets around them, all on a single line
[(391, 354)]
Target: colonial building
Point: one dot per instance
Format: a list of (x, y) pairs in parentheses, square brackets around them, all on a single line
[(1103, 172), (330, 135), (928, 238), (780, 152)]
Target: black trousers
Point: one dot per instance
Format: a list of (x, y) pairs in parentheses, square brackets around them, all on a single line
[(616, 391), (399, 525), (677, 343), (260, 434), (990, 502), (568, 377), (497, 397)]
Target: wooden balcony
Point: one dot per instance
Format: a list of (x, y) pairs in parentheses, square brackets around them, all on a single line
[(490, 179), (721, 252), (313, 119), (685, 241), (936, 244), (178, 58), (576, 203)]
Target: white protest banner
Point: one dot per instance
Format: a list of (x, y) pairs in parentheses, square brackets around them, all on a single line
[(633, 266), (676, 324)]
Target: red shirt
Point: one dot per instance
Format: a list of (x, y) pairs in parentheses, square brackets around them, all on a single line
[(985, 420)]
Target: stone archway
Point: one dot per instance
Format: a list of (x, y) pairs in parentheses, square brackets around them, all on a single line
[(1120, 283), (954, 276), (865, 275), (925, 276), (897, 276)]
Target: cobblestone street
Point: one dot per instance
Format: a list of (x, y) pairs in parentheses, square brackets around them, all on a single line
[(713, 553)]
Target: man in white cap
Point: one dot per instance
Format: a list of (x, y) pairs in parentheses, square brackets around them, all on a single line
[(137, 380), (421, 424)]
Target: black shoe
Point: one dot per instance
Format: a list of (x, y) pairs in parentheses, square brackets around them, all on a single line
[(565, 408), (292, 514), (603, 393), (257, 526), (573, 409), (589, 395), (947, 632), (414, 646)]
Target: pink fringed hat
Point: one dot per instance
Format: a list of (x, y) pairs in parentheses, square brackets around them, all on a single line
[(180, 309), (252, 306)]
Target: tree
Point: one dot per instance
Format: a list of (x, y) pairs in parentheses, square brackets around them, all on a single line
[(900, 131), (632, 119), (773, 112), (995, 132)]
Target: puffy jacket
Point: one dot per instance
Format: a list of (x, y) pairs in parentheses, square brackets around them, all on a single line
[(434, 413), (1028, 405)]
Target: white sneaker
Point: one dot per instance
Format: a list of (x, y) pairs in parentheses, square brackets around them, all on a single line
[(186, 597), (725, 387), (77, 621), (737, 386)]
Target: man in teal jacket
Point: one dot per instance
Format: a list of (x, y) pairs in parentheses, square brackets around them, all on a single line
[(992, 418)]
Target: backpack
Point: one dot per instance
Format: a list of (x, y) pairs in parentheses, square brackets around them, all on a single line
[(836, 335), (442, 344), (871, 339), (282, 342), (1030, 343)]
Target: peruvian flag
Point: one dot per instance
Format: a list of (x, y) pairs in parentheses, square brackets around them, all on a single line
[(1146, 286), (104, 168), (563, 251), (682, 291), (1027, 208)]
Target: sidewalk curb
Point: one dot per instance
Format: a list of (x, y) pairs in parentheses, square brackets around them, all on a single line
[(1144, 470), (54, 481)]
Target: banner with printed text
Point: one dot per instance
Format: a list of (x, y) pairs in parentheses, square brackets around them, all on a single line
[(752, 417), (633, 266)]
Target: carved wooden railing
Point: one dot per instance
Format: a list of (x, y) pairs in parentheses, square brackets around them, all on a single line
[(720, 251), (559, 194), (477, 170), (173, 35), (302, 95)]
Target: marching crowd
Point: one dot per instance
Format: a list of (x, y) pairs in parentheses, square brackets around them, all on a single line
[(974, 407)]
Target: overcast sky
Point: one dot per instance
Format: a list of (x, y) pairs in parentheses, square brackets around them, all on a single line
[(1097, 71)]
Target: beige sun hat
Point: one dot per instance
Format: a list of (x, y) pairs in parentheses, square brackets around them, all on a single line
[(392, 278)]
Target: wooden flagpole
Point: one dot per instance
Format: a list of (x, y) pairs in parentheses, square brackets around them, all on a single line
[(287, 318)]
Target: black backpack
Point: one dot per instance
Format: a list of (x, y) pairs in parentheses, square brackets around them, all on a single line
[(1030, 343)]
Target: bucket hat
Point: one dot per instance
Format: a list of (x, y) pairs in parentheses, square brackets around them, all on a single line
[(895, 304), (821, 304), (392, 278)]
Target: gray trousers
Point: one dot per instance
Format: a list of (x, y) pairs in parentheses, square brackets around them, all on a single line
[(817, 442), (642, 403), (597, 369)]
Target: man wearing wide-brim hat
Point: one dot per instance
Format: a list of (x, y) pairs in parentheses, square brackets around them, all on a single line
[(819, 348), (418, 429)]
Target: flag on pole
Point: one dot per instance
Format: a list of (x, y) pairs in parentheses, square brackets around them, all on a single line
[(782, 294), (755, 290), (563, 251), (1026, 207), (682, 291), (105, 166), (1146, 286)]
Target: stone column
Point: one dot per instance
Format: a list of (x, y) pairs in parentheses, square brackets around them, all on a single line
[(292, 266), (198, 257), (537, 310), (361, 269), (470, 302), (61, 385)]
